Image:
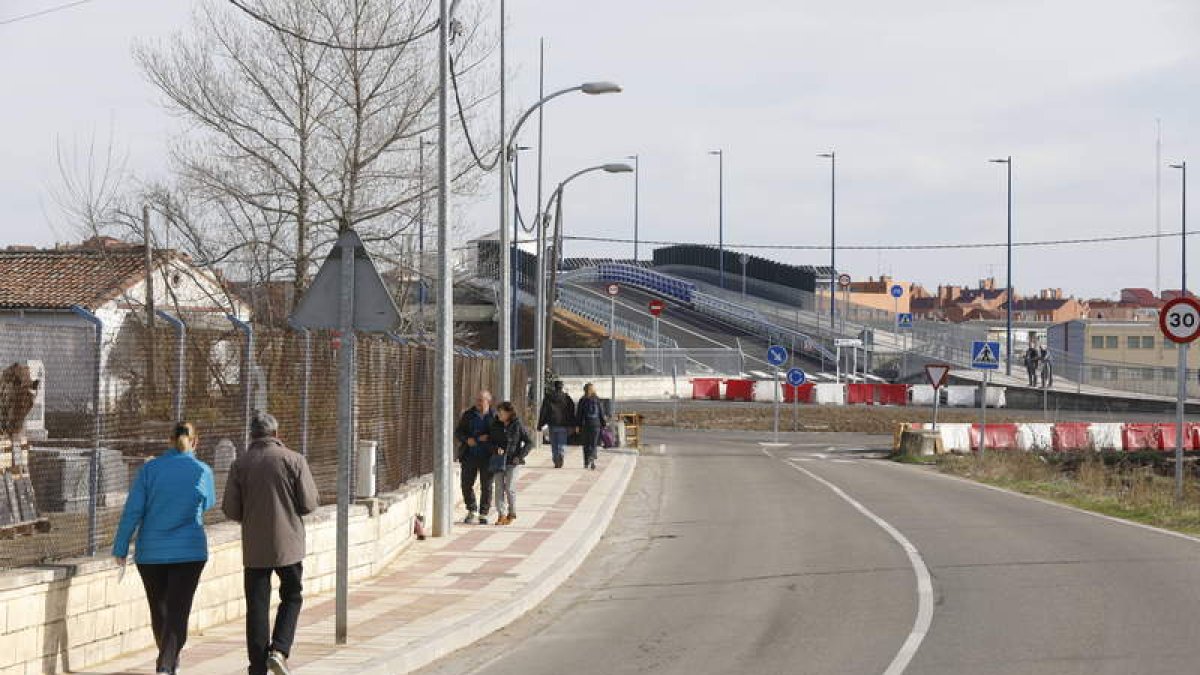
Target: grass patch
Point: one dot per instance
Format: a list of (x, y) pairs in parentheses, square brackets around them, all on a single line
[(1136, 488)]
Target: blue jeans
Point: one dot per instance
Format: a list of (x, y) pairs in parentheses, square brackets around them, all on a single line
[(558, 441)]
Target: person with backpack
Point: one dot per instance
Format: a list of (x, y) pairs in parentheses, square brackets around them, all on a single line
[(474, 454), (166, 508), (591, 422), (510, 445), (558, 413)]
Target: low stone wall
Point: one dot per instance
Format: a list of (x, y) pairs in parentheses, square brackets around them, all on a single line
[(75, 614)]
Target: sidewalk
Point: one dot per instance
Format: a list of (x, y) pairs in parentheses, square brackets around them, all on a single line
[(442, 594)]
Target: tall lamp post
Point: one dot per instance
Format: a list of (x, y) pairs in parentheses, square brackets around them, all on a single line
[(1181, 375), (832, 157), (637, 179), (720, 210), (507, 150), (1007, 161), (515, 277)]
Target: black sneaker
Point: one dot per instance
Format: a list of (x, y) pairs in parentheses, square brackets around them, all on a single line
[(278, 664), (483, 520)]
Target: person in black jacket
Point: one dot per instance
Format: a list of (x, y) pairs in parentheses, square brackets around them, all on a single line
[(591, 420), (510, 445), (474, 451), (558, 413)]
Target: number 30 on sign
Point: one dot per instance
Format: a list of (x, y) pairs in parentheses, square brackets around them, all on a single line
[(1179, 320)]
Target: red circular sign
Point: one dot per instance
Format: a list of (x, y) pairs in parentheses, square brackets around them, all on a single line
[(657, 306), (613, 289), (1179, 320)]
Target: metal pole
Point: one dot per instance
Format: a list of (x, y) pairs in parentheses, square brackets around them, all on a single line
[(937, 400), (515, 320), (97, 428), (1181, 374), (304, 394), (180, 361), (777, 392), (637, 179), (658, 345), (345, 434), (421, 242), (721, 211), (612, 347), (539, 330), (444, 352), (1158, 207), (505, 330), (983, 416), (1008, 313), (832, 238)]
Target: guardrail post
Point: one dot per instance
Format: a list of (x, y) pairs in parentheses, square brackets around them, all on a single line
[(98, 426), (180, 361)]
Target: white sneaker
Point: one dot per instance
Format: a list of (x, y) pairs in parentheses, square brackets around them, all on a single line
[(471, 518), (278, 664)]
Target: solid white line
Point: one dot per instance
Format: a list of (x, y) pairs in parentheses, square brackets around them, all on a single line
[(843, 461), (924, 582), (818, 455)]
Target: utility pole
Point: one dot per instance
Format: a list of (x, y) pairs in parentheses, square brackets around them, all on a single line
[(443, 376), (504, 253), (539, 313)]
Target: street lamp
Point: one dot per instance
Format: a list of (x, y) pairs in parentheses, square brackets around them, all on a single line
[(832, 157), (1007, 161), (1181, 366), (514, 278), (507, 151), (556, 199), (637, 179), (720, 210)]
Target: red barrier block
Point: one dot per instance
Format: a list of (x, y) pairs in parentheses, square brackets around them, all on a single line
[(739, 390), (1139, 436), (999, 437), (801, 394), (706, 389), (860, 393), (1070, 436), (891, 394), (1164, 436)]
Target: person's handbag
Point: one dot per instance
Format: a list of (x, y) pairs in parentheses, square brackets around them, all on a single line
[(607, 439), (497, 463)]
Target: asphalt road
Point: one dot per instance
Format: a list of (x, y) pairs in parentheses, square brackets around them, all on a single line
[(727, 557)]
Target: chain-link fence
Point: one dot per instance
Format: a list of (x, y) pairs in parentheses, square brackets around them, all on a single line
[(89, 430)]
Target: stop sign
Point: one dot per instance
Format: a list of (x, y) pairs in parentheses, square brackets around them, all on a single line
[(656, 307)]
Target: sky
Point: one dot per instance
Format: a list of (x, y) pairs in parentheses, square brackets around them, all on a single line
[(914, 97)]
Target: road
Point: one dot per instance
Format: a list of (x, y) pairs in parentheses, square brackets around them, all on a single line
[(727, 557)]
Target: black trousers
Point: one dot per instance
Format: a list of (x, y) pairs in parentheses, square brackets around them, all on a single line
[(260, 639), (591, 439), (169, 591), (476, 468)]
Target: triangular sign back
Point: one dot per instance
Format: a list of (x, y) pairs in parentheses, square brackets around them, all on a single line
[(374, 310), (936, 373)]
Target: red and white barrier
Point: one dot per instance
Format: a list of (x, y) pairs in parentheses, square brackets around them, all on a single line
[(1065, 436)]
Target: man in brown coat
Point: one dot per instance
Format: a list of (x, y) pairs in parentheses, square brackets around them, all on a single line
[(269, 489)]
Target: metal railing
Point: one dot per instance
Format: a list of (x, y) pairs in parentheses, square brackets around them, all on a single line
[(598, 311)]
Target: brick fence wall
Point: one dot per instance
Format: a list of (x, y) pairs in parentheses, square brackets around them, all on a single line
[(75, 614)]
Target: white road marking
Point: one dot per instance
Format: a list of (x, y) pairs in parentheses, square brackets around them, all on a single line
[(843, 461), (819, 455), (924, 582)]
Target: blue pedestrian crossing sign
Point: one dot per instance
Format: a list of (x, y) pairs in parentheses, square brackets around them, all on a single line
[(904, 320), (777, 355), (796, 377), (897, 290), (985, 355)]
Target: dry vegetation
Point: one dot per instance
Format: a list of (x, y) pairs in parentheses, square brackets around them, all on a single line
[(869, 420)]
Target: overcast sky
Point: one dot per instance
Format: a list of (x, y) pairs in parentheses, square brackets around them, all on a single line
[(913, 96)]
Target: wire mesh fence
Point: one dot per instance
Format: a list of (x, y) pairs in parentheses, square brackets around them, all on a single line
[(88, 429)]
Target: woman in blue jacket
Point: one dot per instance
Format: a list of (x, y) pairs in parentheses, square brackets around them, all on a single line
[(166, 508)]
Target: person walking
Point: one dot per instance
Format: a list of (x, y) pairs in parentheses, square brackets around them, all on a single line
[(165, 508), (558, 413), (510, 445), (591, 420), (1031, 363), (269, 491), (474, 454)]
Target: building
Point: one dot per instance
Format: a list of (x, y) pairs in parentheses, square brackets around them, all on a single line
[(1049, 307), (1135, 304), (1106, 352), (46, 296)]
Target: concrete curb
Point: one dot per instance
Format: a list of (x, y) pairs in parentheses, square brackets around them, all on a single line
[(480, 624)]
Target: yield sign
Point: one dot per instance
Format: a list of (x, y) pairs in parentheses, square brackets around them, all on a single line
[(936, 374)]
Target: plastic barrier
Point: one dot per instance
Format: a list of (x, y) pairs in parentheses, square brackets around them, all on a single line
[(1070, 437), (1164, 436), (801, 394), (706, 389), (960, 396), (1139, 436), (857, 393), (1106, 436), (1035, 436), (999, 437), (922, 394), (829, 393), (739, 390), (955, 437), (997, 397), (891, 394)]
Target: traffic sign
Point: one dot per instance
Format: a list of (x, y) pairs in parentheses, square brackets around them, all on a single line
[(847, 342), (1179, 320), (904, 320), (796, 377), (777, 355), (844, 280), (985, 355), (657, 306), (936, 374), (897, 291), (613, 289)]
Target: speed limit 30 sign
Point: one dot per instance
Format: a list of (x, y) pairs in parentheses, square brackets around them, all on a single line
[(1179, 320)]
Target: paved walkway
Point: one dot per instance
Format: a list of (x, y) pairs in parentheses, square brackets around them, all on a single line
[(441, 594)]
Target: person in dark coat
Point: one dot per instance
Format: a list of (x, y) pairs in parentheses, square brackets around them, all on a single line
[(510, 445), (1031, 363), (558, 413), (473, 454), (591, 421)]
